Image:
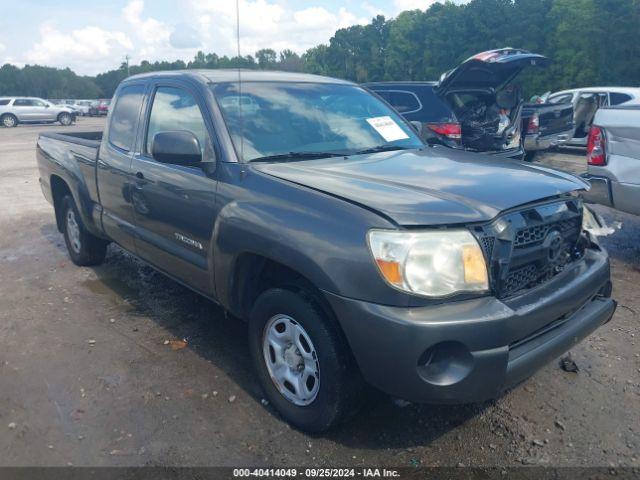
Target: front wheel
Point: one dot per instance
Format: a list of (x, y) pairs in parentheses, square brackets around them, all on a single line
[(84, 248), (302, 360), (65, 119), (529, 156)]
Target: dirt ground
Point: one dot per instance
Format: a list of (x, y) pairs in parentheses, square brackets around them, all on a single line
[(87, 379)]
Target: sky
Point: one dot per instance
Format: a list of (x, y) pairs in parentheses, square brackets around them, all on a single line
[(95, 36)]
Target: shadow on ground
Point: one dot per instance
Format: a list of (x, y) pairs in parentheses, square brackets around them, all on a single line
[(222, 340)]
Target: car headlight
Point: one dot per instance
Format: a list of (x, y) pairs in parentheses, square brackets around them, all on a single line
[(430, 263)]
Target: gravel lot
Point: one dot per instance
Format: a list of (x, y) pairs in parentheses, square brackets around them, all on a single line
[(87, 379)]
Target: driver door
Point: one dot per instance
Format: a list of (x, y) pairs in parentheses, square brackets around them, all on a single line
[(174, 205)]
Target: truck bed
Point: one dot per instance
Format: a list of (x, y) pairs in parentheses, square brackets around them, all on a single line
[(67, 156), (554, 118), (87, 139)]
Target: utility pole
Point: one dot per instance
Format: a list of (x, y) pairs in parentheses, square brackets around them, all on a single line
[(126, 59)]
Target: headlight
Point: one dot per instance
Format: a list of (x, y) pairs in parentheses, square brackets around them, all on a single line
[(430, 263)]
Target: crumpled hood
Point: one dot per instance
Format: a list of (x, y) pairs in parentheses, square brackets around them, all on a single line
[(435, 186)]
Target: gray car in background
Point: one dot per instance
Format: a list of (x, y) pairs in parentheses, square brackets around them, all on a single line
[(613, 156), (16, 110)]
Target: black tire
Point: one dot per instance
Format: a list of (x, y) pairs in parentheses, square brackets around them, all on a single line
[(530, 156), (9, 120), (85, 249), (65, 119), (340, 383)]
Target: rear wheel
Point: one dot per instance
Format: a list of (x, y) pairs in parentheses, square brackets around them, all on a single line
[(9, 120), (302, 360), (530, 156), (84, 248), (65, 119)]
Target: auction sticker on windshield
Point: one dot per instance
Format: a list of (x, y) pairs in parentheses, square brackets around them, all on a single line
[(387, 128)]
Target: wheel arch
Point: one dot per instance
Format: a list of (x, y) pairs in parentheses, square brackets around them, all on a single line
[(59, 189), (254, 273)]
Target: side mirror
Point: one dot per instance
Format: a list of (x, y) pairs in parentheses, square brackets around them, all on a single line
[(177, 147), (417, 126), (46, 105)]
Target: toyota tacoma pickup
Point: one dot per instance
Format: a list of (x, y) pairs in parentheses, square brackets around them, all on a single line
[(357, 254)]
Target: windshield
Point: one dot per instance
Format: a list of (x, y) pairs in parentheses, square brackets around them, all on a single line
[(270, 119)]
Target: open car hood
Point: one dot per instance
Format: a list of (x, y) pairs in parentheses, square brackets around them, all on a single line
[(489, 70)]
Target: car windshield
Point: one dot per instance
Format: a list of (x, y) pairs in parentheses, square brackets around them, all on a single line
[(278, 120)]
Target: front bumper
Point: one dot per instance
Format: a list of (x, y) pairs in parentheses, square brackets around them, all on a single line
[(472, 350)]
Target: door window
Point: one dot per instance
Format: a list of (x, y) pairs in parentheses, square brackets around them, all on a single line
[(122, 130), (561, 99), (616, 98), (403, 102), (23, 102), (176, 109)]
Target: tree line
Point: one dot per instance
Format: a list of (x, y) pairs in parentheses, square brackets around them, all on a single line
[(591, 42)]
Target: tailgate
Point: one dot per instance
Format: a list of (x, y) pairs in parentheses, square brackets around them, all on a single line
[(555, 119)]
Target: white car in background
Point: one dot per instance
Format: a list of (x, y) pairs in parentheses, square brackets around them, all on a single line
[(587, 101), (16, 110), (82, 106)]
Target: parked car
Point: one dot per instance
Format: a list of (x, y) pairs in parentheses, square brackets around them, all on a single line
[(16, 110), (83, 106), (546, 125), (473, 107), (587, 101), (613, 157), (99, 108), (355, 252)]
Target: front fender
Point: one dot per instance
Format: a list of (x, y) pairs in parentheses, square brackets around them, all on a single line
[(316, 235)]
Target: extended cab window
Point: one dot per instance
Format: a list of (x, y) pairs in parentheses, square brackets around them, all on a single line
[(122, 130), (176, 109)]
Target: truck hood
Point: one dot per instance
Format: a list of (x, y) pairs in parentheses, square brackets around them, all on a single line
[(434, 186), (491, 70)]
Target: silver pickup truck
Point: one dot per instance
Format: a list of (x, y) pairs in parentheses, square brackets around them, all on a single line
[(613, 157)]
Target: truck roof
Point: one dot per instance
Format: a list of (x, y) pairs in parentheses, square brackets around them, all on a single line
[(231, 75)]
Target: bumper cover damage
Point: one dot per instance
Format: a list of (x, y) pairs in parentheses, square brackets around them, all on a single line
[(472, 350)]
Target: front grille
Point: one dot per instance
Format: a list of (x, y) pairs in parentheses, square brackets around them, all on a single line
[(530, 247), (538, 233)]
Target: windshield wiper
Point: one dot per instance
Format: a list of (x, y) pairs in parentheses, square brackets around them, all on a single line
[(297, 156), (381, 148)]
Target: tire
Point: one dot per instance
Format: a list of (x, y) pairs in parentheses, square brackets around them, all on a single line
[(65, 119), (9, 120), (84, 248), (530, 156), (336, 391)]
